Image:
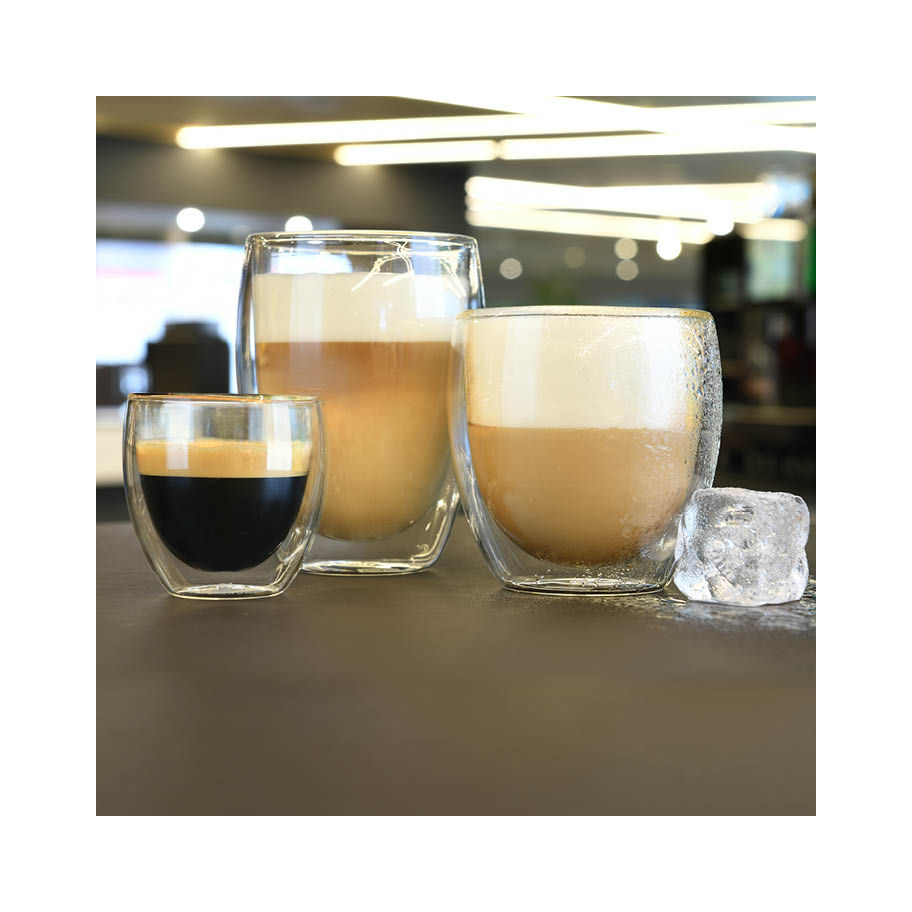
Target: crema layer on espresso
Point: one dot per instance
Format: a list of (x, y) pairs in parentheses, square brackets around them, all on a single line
[(209, 457)]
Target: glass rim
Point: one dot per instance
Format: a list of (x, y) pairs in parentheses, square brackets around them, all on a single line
[(224, 398), (365, 234), (592, 310)]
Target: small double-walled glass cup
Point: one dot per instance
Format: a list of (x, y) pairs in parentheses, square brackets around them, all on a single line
[(224, 491), (577, 435), (362, 319)]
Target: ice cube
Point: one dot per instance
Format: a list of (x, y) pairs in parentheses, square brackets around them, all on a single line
[(741, 547)]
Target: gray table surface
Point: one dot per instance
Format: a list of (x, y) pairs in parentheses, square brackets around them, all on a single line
[(442, 693)]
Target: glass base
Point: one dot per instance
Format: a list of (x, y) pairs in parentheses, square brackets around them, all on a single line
[(411, 551), (366, 568), (580, 586), (226, 591)]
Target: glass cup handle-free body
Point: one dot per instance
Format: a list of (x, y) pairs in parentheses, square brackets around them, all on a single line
[(363, 320), (224, 492), (577, 435)]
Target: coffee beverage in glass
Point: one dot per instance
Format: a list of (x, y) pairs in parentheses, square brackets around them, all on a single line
[(224, 492), (578, 433), (363, 320)]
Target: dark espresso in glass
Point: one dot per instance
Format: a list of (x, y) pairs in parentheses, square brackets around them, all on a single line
[(219, 505)]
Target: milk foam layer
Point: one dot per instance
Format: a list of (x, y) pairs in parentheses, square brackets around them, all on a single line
[(356, 307), (559, 371)]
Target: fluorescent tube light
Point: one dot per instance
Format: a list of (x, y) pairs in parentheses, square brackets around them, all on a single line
[(404, 153), (548, 116), (749, 202), (750, 139), (774, 230), (614, 117), (584, 223)]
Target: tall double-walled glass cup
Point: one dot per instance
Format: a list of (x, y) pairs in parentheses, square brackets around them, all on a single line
[(577, 434), (224, 491), (363, 319)]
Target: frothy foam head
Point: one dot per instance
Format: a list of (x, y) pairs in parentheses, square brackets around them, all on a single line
[(356, 307), (583, 371)]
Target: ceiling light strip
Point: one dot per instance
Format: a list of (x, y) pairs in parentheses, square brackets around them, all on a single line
[(582, 223), (409, 153), (794, 139), (550, 116), (765, 139), (747, 202), (620, 117)]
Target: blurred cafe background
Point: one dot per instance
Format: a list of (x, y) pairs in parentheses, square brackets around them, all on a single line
[(697, 202)]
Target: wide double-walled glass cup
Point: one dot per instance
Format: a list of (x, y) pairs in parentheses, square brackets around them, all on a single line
[(578, 433), (224, 491), (363, 320)]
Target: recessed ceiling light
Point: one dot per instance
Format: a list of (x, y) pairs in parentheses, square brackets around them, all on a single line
[(627, 270), (626, 248), (299, 223), (511, 268), (190, 219)]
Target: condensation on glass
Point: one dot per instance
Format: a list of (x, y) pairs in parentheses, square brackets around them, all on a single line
[(578, 433)]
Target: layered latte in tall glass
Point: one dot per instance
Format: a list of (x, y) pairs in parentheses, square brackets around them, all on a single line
[(364, 321)]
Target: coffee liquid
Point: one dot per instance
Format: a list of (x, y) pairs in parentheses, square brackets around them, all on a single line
[(374, 346), (582, 496), (218, 506), (384, 415)]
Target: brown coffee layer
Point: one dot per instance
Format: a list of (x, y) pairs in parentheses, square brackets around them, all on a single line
[(582, 496), (209, 457), (384, 414)]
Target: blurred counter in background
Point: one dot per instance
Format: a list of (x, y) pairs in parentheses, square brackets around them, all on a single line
[(770, 448), (188, 358), (110, 502), (108, 442)]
